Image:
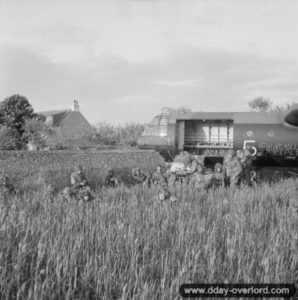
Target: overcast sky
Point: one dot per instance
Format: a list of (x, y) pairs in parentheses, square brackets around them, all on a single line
[(124, 60)]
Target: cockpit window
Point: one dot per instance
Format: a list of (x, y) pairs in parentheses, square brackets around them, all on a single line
[(159, 125)]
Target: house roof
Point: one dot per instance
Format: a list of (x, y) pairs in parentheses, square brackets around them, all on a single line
[(58, 115)]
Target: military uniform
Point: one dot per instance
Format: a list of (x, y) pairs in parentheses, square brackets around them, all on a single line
[(77, 179), (246, 163), (217, 176), (67, 194), (158, 178), (85, 194), (233, 168), (111, 180), (186, 176), (140, 177)]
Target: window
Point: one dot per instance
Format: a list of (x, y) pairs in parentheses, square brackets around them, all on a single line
[(159, 125)]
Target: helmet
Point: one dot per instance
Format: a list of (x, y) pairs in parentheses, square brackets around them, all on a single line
[(161, 196), (218, 166), (110, 171)]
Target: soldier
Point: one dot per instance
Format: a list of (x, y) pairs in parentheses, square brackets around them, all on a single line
[(253, 178), (232, 168), (159, 181), (67, 194), (158, 177), (246, 163), (77, 178), (79, 186), (191, 165), (49, 191), (140, 177), (218, 176), (111, 180), (85, 194), (197, 178)]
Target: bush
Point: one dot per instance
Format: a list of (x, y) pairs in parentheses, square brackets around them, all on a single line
[(10, 139), (125, 135)]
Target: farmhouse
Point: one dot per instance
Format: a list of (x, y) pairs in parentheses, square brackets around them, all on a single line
[(66, 125)]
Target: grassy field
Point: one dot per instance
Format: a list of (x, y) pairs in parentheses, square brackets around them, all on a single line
[(124, 246)]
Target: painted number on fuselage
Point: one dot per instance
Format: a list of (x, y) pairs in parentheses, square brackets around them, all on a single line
[(246, 145)]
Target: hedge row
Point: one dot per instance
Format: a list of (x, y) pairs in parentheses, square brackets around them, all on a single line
[(34, 168)]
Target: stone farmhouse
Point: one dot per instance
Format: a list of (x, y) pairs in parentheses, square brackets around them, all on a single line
[(65, 125)]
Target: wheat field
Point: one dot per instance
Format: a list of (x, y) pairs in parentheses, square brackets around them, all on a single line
[(123, 245)]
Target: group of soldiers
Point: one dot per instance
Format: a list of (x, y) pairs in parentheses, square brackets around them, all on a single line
[(187, 169), (190, 171)]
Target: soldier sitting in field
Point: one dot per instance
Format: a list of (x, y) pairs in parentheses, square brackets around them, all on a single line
[(67, 194), (77, 178), (111, 180), (85, 194), (140, 177), (158, 177), (79, 186), (189, 164)]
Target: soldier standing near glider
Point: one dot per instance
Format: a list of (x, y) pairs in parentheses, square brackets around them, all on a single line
[(232, 168), (218, 176)]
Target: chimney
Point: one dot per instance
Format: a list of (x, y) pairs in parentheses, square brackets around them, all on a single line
[(75, 106)]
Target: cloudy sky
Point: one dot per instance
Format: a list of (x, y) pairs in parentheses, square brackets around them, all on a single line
[(124, 60)]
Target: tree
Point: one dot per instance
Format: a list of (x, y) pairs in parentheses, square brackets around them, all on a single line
[(10, 139), (287, 106), (260, 104), (14, 111), (36, 132)]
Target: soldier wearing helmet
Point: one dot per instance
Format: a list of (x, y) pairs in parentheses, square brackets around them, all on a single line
[(111, 179), (197, 179), (140, 177), (218, 176), (158, 177), (232, 168), (85, 194), (246, 163), (77, 178), (67, 194), (79, 186)]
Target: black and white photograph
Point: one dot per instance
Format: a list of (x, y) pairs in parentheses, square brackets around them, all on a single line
[(148, 149)]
